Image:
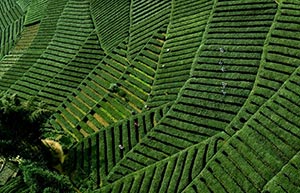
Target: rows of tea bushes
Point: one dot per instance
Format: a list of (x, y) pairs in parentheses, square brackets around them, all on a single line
[(203, 109), (93, 89), (45, 33), (124, 89), (36, 11), (69, 78), (11, 25), (20, 48), (286, 180), (130, 93), (172, 174), (239, 52), (71, 32), (146, 18), (261, 150), (224, 73), (184, 37), (165, 96), (15, 185), (24, 4), (111, 20), (111, 144), (266, 146), (280, 60)]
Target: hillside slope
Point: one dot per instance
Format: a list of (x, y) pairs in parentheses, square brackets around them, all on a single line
[(164, 95)]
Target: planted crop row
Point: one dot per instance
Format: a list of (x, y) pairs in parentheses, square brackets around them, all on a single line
[(258, 152), (73, 74), (44, 35), (63, 47), (280, 60), (24, 4), (141, 10), (7, 43), (131, 91), (145, 20), (286, 180), (225, 72), (95, 156), (10, 12), (36, 11), (15, 185), (116, 98), (7, 62), (95, 86), (206, 104), (172, 174), (6, 5), (184, 38), (111, 19), (20, 48), (11, 25)]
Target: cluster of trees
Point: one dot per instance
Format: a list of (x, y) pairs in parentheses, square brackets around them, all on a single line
[(20, 126), (41, 179), (21, 134)]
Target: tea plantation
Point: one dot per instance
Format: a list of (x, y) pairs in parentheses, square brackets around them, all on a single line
[(162, 96)]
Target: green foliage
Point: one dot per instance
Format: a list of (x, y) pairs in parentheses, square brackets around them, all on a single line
[(10, 25), (15, 185), (111, 20), (20, 125), (229, 69), (36, 11), (154, 15), (24, 4), (40, 179)]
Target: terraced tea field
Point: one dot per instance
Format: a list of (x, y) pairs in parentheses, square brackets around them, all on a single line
[(162, 95)]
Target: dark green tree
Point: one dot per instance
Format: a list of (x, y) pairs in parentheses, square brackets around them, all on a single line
[(42, 180), (20, 126)]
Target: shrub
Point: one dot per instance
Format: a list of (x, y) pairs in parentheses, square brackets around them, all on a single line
[(40, 179)]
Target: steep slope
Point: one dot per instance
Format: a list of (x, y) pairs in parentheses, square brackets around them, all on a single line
[(11, 25), (111, 20), (33, 53), (19, 50), (163, 95), (198, 115), (71, 32)]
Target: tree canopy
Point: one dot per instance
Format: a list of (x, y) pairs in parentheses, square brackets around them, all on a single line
[(20, 125)]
